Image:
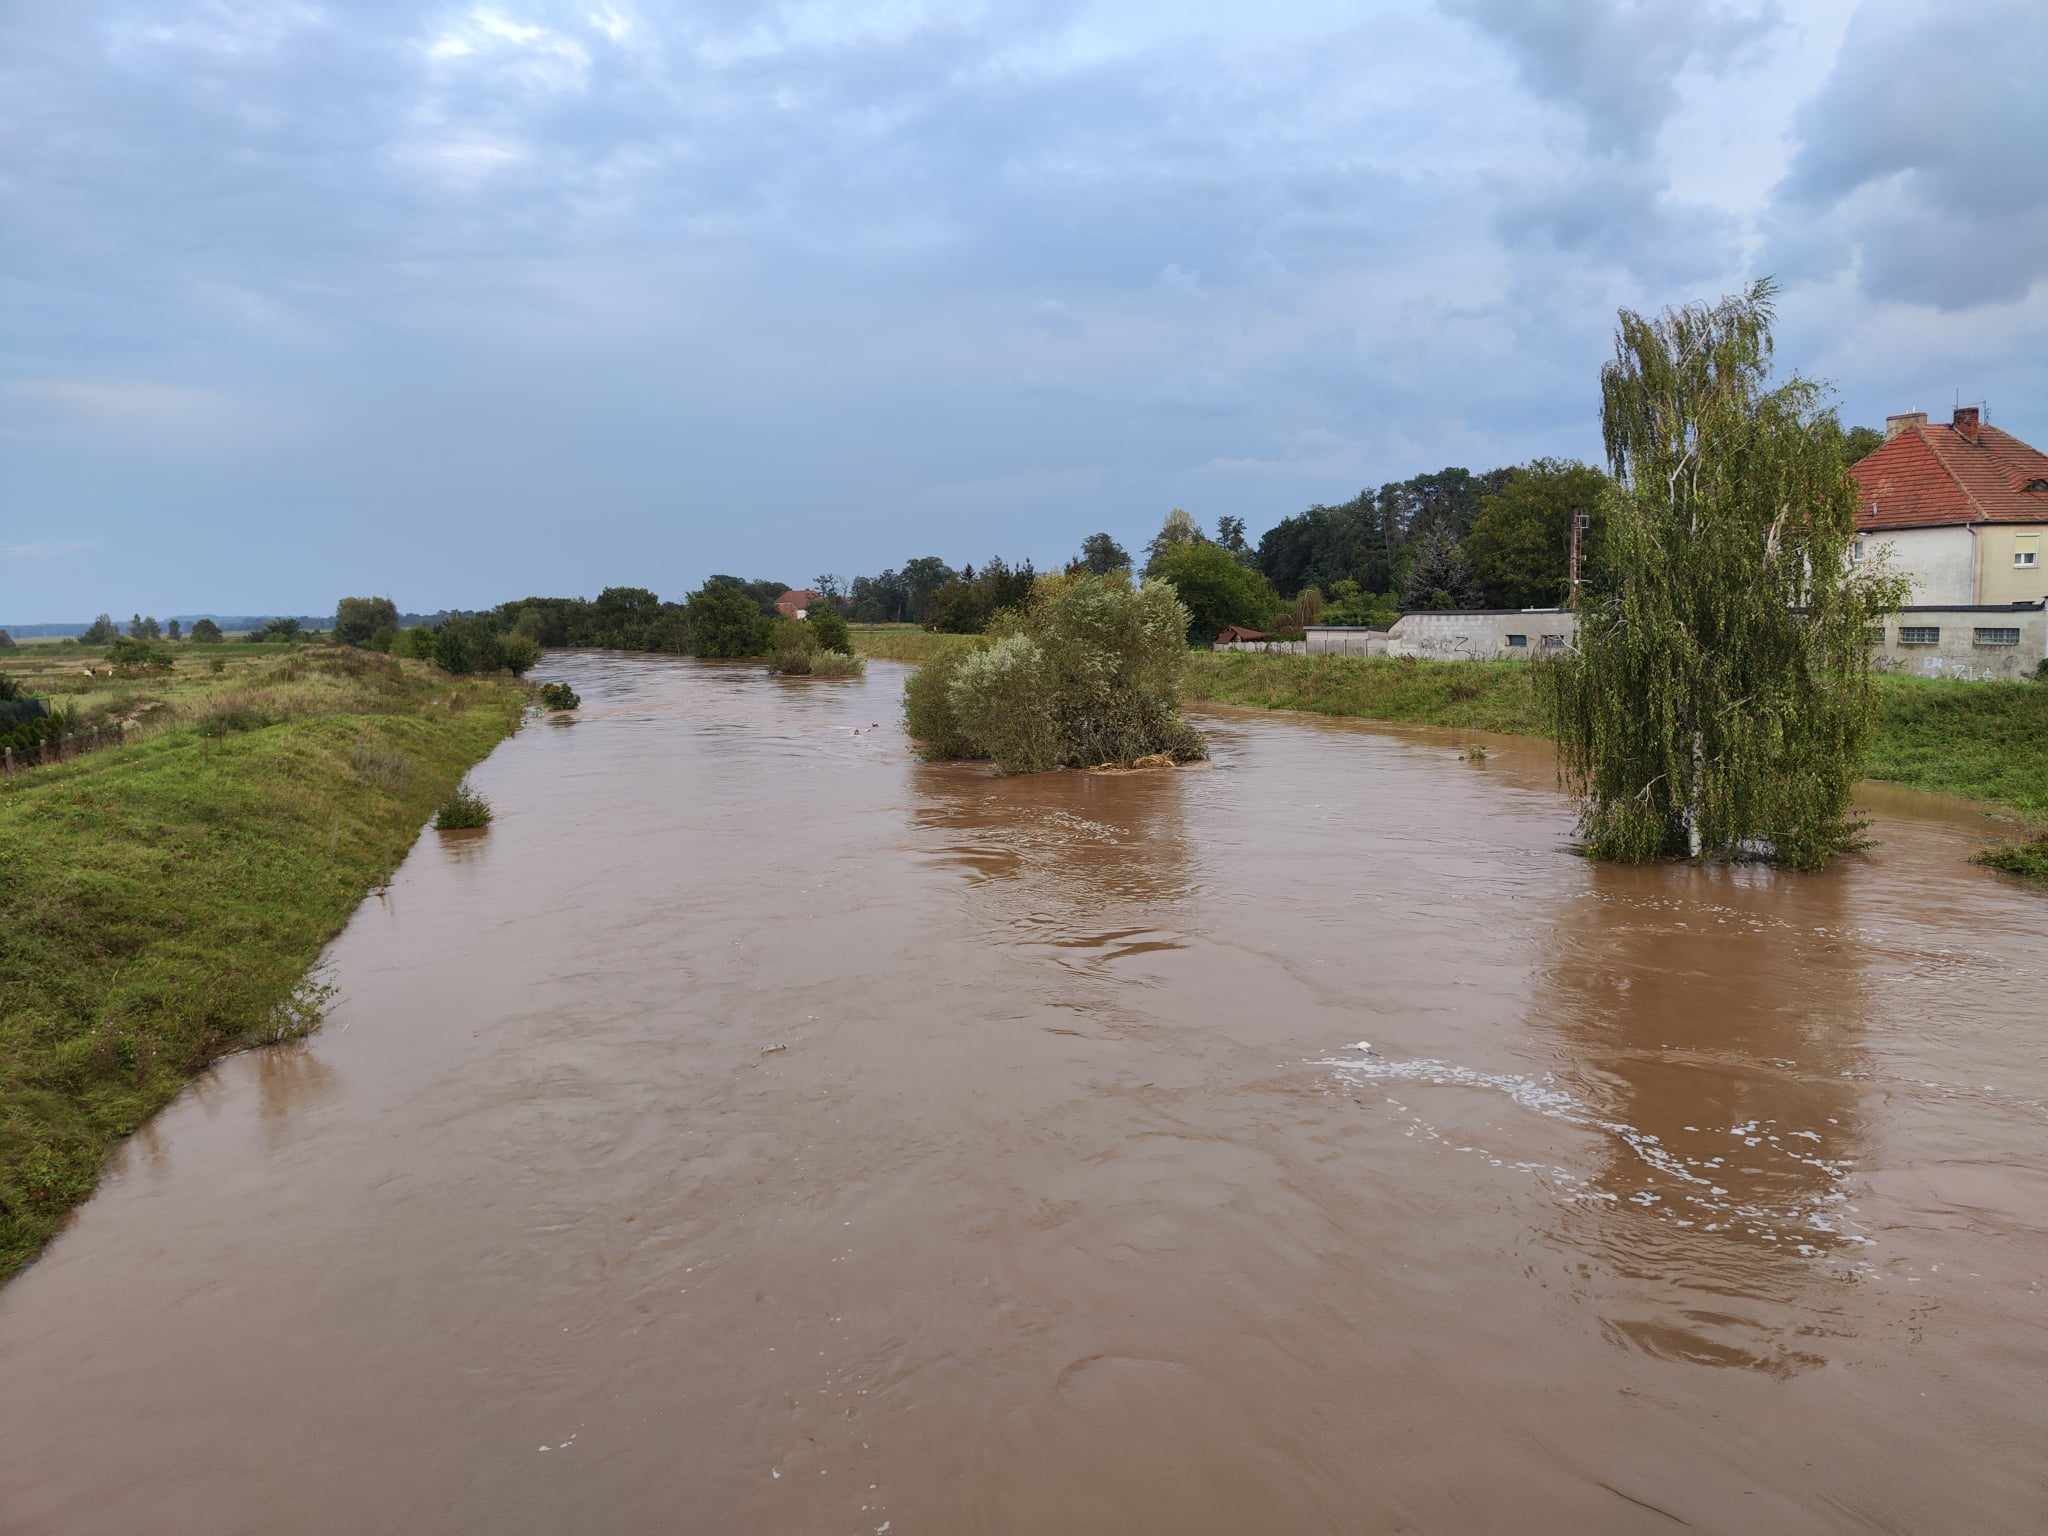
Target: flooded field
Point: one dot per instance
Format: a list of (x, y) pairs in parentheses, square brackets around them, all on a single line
[(759, 1131)]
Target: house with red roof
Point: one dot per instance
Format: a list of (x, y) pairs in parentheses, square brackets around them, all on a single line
[(1961, 508), (796, 602)]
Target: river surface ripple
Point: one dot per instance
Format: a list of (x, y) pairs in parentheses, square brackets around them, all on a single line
[(759, 1130)]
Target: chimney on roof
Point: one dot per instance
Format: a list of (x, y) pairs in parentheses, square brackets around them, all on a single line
[(1894, 425), (1966, 422)]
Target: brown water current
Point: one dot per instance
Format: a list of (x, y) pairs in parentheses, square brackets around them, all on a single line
[(758, 1130)]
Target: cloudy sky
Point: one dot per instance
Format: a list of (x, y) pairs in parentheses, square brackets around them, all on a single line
[(457, 303)]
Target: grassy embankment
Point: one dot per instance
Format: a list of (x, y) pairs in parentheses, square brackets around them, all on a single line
[(160, 902), (1984, 741), (902, 642)]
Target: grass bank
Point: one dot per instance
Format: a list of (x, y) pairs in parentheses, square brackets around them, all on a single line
[(1984, 741), (160, 902), (903, 642)]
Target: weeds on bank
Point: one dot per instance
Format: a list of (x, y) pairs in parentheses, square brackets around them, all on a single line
[(2028, 860)]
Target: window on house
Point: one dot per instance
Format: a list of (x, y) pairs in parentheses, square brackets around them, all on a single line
[(1518, 642), (1856, 550), (2037, 485), (2025, 556), (1919, 634), (1874, 635), (1998, 637), (1553, 642)]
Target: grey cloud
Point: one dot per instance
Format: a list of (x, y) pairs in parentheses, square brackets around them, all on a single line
[(1623, 216), (1617, 62), (1924, 158), (309, 301)]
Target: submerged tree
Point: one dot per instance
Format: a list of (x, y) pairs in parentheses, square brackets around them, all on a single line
[(1719, 698)]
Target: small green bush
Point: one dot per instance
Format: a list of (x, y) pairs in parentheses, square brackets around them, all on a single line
[(134, 658), (1004, 697), (463, 811), (928, 708), (558, 696), (828, 628)]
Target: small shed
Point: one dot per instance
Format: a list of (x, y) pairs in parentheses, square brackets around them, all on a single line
[(1234, 633)]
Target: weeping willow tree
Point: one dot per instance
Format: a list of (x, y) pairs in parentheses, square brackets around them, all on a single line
[(1719, 698)]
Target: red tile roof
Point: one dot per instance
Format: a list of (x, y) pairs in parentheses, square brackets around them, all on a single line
[(793, 599), (1935, 476)]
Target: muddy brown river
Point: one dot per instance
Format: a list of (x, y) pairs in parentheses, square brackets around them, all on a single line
[(757, 1130)]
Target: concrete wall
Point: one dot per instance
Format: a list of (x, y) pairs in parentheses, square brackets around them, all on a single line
[(1959, 651), (1343, 640), (1484, 636), (1940, 562), (1272, 647)]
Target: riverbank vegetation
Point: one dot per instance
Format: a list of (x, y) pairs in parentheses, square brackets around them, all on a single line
[(1980, 741), (1087, 673), (160, 903)]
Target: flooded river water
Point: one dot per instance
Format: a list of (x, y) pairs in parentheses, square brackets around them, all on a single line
[(758, 1130)]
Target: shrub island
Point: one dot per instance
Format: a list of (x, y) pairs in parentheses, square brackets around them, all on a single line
[(1086, 675)]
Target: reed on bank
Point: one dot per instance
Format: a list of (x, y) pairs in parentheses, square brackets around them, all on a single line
[(161, 903)]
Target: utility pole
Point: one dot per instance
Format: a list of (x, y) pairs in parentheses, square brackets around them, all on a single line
[(1578, 525)]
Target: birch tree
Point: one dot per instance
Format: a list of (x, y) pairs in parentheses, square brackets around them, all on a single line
[(1719, 698)]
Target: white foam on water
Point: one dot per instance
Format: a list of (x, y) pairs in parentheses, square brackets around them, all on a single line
[(1828, 1215)]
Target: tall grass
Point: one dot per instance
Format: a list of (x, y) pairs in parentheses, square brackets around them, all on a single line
[(906, 642)]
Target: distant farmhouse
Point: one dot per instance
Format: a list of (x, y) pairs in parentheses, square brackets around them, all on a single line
[(1962, 508), (796, 602), (1962, 511)]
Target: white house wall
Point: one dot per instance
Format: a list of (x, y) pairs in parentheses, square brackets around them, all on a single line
[(1940, 562)]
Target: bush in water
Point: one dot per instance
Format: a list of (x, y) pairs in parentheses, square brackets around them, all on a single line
[(558, 696), (463, 810), (1002, 695), (1090, 674), (828, 628)]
